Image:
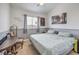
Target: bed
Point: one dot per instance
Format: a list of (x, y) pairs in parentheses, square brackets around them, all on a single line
[(52, 44)]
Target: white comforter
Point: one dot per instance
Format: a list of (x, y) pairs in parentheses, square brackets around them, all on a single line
[(52, 44)]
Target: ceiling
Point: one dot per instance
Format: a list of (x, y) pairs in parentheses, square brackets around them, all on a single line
[(35, 7)]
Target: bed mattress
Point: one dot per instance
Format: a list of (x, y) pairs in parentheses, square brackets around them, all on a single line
[(50, 44)]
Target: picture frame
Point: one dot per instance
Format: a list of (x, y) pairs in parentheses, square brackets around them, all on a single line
[(59, 19)]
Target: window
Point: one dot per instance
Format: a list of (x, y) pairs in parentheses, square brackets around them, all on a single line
[(32, 22)]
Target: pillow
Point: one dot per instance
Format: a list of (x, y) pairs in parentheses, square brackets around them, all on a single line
[(67, 34), (52, 32)]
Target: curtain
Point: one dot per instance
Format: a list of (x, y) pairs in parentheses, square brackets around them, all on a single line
[(25, 24), (38, 25)]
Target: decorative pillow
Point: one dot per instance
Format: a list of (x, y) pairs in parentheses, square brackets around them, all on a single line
[(67, 34)]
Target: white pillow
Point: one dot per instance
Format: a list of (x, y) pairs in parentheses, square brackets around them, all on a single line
[(67, 34), (51, 31)]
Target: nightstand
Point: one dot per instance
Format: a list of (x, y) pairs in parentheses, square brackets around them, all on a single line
[(76, 46)]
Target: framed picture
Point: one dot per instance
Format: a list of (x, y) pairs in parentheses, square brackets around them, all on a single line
[(59, 19), (42, 21)]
